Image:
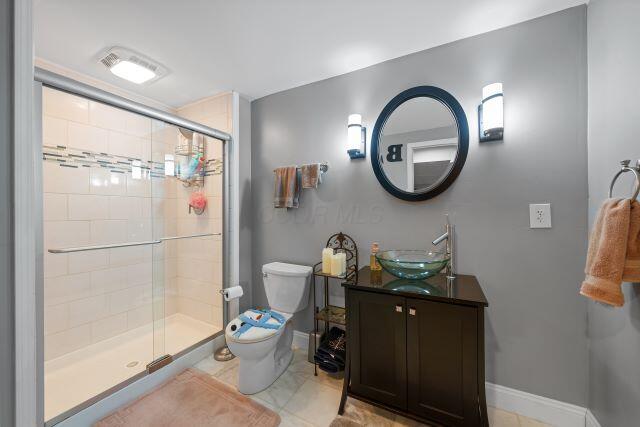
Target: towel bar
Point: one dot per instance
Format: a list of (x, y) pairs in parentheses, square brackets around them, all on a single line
[(626, 168), (324, 167)]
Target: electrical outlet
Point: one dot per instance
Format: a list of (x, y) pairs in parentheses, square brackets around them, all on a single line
[(540, 215)]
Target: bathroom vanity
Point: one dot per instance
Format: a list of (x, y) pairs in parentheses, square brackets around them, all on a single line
[(416, 347)]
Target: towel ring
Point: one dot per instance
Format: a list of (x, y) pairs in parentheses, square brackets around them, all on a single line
[(626, 168)]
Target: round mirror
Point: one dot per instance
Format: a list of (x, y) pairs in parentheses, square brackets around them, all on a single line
[(420, 143)]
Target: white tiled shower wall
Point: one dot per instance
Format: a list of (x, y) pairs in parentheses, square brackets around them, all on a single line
[(92, 296), (199, 275)]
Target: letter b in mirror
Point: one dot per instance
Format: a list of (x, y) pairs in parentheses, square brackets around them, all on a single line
[(395, 153)]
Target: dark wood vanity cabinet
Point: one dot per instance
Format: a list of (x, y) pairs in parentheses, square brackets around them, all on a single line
[(442, 362), (418, 354), (379, 351)]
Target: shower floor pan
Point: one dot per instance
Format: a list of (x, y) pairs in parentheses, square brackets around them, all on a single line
[(83, 374)]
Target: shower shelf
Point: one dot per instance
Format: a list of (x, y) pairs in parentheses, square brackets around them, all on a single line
[(191, 148)]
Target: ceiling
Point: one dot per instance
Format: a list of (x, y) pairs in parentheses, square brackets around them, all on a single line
[(259, 47)]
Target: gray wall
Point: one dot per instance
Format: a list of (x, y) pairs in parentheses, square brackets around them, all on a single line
[(614, 126), (7, 398), (536, 322), (246, 217)]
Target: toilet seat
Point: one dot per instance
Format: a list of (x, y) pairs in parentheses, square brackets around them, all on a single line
[(254, 334)]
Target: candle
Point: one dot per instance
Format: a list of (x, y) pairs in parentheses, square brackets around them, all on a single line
[(343, 263), (336, 265), (327, 253)]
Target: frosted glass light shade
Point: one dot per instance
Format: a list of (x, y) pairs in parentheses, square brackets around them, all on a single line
[(354, 132), (492, 109), (133, 72)]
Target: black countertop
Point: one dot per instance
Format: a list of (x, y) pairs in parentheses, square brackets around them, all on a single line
[(464, 289)]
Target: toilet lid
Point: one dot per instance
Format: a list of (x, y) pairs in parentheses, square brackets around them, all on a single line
[(255, 333)]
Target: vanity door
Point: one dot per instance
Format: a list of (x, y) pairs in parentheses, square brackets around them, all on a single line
[(442, 362), (377, 331)]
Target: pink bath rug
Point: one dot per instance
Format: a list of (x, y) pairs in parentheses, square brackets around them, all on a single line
[(192, 399)]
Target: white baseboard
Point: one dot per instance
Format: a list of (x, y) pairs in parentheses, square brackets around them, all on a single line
[(301, 339), (591, 420), (541, 408)]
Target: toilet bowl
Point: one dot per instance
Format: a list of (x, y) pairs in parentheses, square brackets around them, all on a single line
[(264, 354)]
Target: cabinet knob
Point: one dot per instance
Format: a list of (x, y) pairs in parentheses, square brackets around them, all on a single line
[(399, 308), (412, 311)]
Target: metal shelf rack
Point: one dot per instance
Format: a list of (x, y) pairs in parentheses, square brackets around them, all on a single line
[(331, 314)]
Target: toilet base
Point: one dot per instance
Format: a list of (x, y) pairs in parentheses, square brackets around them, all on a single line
[(256, 375)]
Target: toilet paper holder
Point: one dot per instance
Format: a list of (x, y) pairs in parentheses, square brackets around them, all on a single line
[(231, 293), (223, 354)]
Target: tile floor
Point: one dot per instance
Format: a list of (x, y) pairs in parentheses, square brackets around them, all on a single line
[(304, 400)]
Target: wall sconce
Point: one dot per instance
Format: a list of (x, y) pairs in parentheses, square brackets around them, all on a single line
[(356, 137), (491, 113)]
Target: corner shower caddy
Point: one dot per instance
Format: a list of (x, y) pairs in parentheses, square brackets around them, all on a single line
[(331, 314), (190, 145)]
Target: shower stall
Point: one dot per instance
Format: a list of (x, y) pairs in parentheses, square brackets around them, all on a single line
[(134, 240)]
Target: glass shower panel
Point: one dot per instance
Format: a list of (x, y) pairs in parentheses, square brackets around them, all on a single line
[(98, 302), (187, 200), (133, 212)]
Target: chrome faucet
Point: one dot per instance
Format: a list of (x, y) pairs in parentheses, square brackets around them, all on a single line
[(449, 236)]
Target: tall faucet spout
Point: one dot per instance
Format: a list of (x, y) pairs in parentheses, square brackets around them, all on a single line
[(440, 239), (449, 235)]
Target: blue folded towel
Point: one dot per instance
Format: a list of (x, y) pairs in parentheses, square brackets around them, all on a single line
[(262, 323)]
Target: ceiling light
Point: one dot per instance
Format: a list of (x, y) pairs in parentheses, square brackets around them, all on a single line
[(132, 72), (131, 66)]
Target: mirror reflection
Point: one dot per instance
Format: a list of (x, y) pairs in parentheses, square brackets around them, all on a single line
[(418, 144)]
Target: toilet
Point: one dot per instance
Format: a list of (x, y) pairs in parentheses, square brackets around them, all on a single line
[(265, 353)]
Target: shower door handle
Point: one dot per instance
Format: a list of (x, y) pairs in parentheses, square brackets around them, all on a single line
[(189, 236), (125, 245), (99, 247)]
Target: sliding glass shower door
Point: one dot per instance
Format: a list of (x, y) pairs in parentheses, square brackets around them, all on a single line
[(187, 218), (132, 211)]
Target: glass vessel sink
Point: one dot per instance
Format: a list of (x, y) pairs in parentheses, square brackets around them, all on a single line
[(412, 264)]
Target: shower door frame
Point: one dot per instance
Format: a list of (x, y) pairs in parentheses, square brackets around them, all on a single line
[(44, 78)]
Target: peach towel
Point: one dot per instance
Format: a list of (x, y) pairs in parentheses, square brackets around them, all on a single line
[(632, 264), (607, 253), (311, 175), (287, 187)]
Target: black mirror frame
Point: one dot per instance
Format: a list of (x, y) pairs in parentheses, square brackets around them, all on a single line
[(463, 140)]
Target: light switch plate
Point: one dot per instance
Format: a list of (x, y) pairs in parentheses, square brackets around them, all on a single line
[(540, 215)]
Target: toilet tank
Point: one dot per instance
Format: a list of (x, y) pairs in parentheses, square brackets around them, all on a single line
[(287, 286)]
